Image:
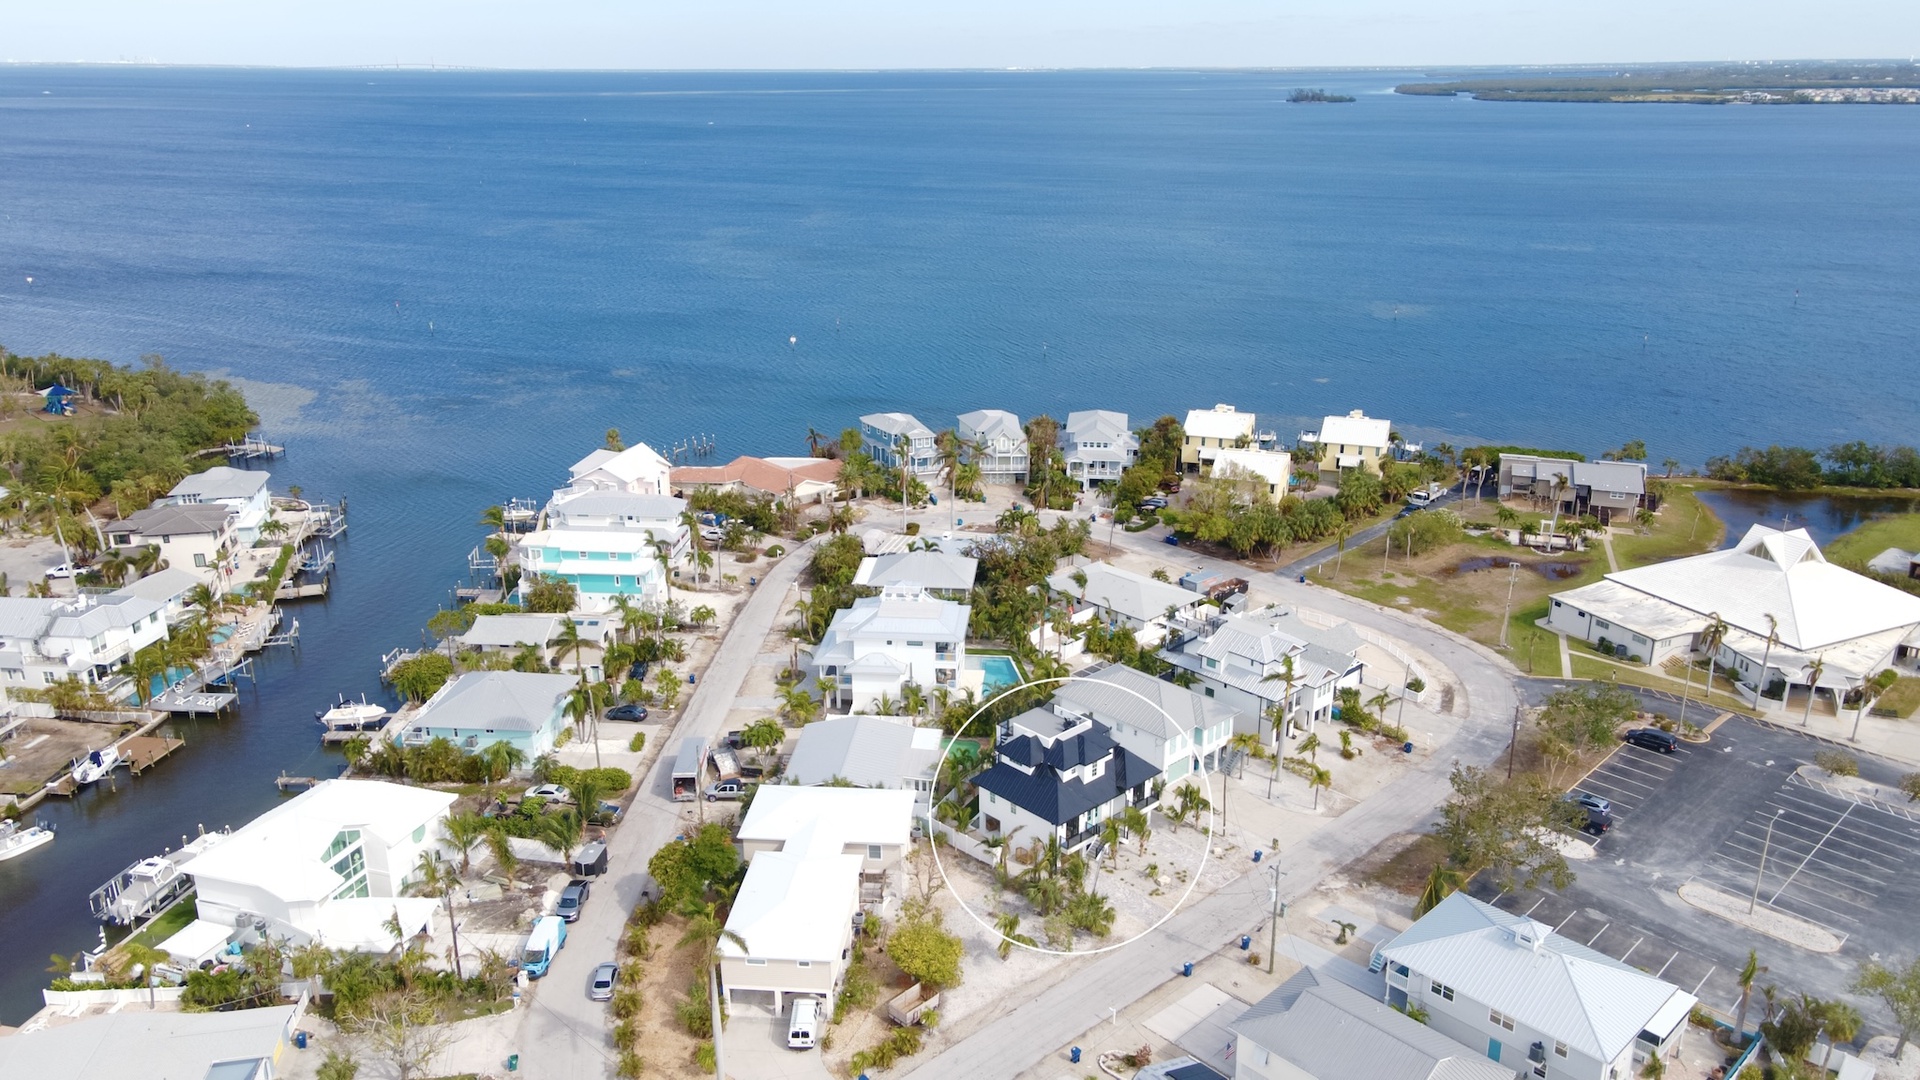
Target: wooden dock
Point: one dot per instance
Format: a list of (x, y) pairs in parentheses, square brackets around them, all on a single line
[(294, 783), (143, 752), (291, 591)]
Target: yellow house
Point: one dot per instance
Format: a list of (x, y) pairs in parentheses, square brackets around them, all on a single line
[(1261, 473), (1209, 431), (1353, 441)]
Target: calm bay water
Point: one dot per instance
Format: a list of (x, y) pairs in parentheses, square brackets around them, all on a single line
[(440, 288)]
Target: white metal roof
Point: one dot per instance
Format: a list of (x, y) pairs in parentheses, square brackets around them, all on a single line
[(795, 906), (1333, 1032), (164, 586), (897, 423), (220, 482), (1219, 422), (986, 424), (1355, 429), (283, 850), (495, 700), (139, 1044), (1085, 424), (626, 465), (1121, 694), (926, 569), (900, 611), (1136, 596), (830, 817), (510, 631), (869, 751), (1560, 988), (1782, 574), (1273, 466)]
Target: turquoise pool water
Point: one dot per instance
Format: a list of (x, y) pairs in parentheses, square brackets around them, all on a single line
[(998, 671)]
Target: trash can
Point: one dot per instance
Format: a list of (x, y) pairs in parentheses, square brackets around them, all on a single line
[(693, 677), (300, 1039), (1256, 854), (1186, 970), (1407, 747), (513, 1062), (1246, 942), (1073, 1055)]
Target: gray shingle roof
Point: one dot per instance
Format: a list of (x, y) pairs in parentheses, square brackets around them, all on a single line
[(870, 751), (1334, 1032), (927, 569), (220, 482), (1114, 695), (191, 519), (1136, 596)]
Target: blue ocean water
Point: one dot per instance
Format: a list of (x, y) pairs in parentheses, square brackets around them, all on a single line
[(442, 287)]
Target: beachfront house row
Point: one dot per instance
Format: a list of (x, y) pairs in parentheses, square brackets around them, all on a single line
[(1243, 660), (1209, 431), (1176, 730), (523, 709), (243, 490), (886, 752), (1098, 446), (637, 470), (331, 865), (1256, 474), (1059, 778), (1538, 1003), (195, 538), (1784, 605), (608, 543), (794, 479), (889, 436), (994, 440), (1119, 598), (1353, 441), (816, 857), (1600, 488), (882, 643), (1314, 1027), (48, 640), (945, 574)]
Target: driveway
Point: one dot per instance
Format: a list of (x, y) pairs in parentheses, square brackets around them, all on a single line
[(563, 1036), (757, 1050)]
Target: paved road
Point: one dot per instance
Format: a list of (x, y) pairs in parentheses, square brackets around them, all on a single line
[(563, 1036), (1025, 1032)]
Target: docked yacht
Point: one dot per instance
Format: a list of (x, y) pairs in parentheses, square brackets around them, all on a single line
[(97, 765), (15, 840)]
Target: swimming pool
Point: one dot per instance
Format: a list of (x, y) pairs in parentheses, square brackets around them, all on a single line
[(996, 670)]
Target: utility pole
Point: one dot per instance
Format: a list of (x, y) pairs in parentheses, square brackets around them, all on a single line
[(1514, 746), (1273, 923), (1763, 860), (1506, 619), (1400, 718)]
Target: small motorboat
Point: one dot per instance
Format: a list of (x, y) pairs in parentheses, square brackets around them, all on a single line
[(349, 718), (97, 764), (15, 840)]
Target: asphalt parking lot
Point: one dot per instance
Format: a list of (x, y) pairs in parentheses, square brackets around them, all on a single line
[(1702, 814)]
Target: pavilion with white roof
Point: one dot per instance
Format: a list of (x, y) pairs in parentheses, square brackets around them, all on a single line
[(1788, 613)]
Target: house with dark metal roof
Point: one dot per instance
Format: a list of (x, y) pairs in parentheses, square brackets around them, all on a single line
[(1059, 777), (1177, 730)]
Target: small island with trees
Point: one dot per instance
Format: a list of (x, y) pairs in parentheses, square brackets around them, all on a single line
[(1315, 97), (1789, 83)]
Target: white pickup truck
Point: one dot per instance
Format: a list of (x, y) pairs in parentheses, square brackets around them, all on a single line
[(1426, 496)]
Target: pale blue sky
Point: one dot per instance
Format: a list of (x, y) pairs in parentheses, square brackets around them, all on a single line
[(980, 33)]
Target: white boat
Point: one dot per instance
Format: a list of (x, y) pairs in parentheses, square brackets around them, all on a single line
[(15, 840), (98, 764), (349, 718)]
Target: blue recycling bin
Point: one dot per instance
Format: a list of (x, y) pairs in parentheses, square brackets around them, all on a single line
[(1407, 747), (1246, 942), (1186, 970), (513, 1062), (1256, 854), (300, 1039), (1073, 1055), (693, 677)]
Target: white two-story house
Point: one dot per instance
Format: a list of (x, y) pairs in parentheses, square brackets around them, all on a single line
[(1537, 1002), (1176, 730), (1060, 778), (45, 641), (1098, 446), (1244, 660), (995, 441), (198, 538), (886, 435), (637, 470), (882, 643), (1208, 431), (246, 492), (608, 543)]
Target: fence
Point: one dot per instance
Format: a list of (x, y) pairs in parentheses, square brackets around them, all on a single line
[(965, 844), (74, 1000)]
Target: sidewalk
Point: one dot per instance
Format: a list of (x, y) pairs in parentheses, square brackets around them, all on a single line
[(1895, 740)]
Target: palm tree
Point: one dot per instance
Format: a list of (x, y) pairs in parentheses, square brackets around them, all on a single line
[(1135, 821), (434, 876), (1007, 925), (499, 758), (1711, 639), (1286, 675), (1316, 778), (1752, 970), (1248, 744), (1091, 912), (1814, 671), (1841, 1022), (1773, 638), (495, 518), (764, 735), (146, 957), (466, 830)]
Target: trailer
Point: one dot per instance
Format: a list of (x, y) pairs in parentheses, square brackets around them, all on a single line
[(689, 769), (725, 765), (906, 1008)]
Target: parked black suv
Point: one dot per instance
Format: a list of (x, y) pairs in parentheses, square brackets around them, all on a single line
[(1598, 822), (1653, 739)]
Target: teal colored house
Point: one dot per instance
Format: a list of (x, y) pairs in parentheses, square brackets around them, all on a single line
[(474, 710)]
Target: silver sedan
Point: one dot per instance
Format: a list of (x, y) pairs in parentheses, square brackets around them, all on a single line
[(600, 986)]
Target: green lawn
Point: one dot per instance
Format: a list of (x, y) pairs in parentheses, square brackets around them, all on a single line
[(171, 921), (1855, 548), (1901, 698)]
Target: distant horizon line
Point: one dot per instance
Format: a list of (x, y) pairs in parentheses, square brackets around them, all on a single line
[(430, 66)]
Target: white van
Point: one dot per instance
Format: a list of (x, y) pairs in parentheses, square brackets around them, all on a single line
[(803, 1023)]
